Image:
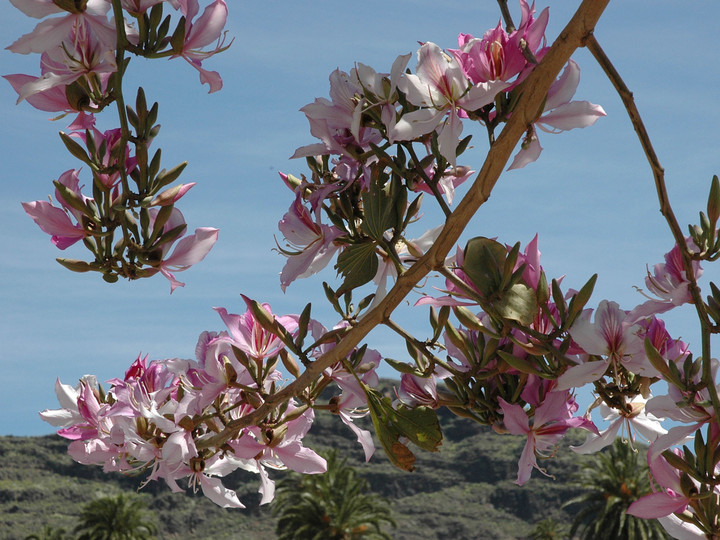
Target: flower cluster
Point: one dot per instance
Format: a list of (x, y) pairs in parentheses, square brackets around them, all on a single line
[(384, 136), (80, 50), (162, 416)]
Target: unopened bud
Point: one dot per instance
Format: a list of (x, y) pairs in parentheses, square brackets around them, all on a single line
[(75, 265), (172, 195), (77, 96)]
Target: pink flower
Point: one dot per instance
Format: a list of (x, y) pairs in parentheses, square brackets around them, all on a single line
[(188, 251), (560, 114), (55, 222), (611, 335), (79, 54), (53, 99), (248, 334), (206, 29), (90, 22), (63, 224), (638, 421), (311, 242), (68, 413), (336, 122), (382, 87), (110, 140), (279, 449), (442, 89), (669, 283), (415, 391), (498, 55), (408, 251), (138, 7), (448, 181), (552, 419), (670, 499)]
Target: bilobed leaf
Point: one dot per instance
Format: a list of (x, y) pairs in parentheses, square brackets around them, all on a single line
[(379, 209), (519, 303), (419, 424), (358, 264), (484, 262)]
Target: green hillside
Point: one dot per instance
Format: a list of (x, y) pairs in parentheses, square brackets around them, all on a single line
[(465, 491)]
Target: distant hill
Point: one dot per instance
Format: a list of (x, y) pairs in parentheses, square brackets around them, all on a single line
[(465, 491)]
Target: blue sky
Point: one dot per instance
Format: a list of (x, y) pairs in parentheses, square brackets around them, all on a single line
[(590, 196)]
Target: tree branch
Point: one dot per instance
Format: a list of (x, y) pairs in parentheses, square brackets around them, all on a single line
[(534, 91), (665, 209)]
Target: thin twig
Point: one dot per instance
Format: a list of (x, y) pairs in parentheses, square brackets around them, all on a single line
[(431, 183), (507, 17), (665, 208), (420, 346)]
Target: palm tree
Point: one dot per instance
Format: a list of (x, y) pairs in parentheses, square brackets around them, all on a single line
[(614, 479), (119, 517), (549, 529), (331, 506)]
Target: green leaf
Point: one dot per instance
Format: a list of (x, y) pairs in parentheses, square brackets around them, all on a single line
[(358, 264), (379, 209), (517, 304), (420, 425), (484, 263)]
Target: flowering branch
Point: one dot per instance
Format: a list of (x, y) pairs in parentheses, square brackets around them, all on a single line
[(534, 90), (666, 210)]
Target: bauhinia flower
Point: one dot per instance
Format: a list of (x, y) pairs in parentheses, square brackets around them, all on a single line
[(206, 29), (637, 421), (441, 89), (81, 53), (90, 19), (669, 499), (560, 114), (498, 56), (611, 335), (247, 334), (552, 418), (64, 224), (188, 251), (312, 244), (337, 122), (669, 283)]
